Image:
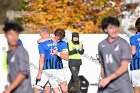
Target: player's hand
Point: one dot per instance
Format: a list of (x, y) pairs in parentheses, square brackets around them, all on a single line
[(104, 82), (55, 52), (39, 76)]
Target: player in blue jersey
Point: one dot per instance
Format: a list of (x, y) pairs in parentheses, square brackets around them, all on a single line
[(45, 36), (49, 63), (62, 53), (135, 64)]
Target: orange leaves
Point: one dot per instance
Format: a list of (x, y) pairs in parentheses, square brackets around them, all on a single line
[(75, 15)]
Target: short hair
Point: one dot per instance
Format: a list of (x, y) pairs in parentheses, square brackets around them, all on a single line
[(12, 26), (60, 32), (110, 20), (137, 24), (45, 29)]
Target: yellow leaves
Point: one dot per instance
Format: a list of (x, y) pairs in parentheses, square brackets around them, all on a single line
[(75, 15)]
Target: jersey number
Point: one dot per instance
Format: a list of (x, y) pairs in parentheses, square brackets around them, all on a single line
[(109, 58)]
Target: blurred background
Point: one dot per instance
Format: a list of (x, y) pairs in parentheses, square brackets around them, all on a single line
[(83, 16)]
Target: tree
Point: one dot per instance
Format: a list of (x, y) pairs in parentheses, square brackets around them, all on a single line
[(83, 16)]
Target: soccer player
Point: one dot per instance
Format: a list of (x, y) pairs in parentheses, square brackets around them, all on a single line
[(49, 63), (115, 56), (75, 48), (135, 64), (45, 36), (18, 61), (62, 53)]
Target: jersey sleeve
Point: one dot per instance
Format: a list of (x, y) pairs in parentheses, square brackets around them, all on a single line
[(41, 48), (126, 51), (64, 47), (23, 62), (132, 41), (100, 55)]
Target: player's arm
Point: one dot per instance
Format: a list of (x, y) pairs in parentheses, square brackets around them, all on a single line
[(41, 60), (18, 80), (102, 72), (100, 58), (133, 45), (23, 66), (53, 39), (133, 49), (42, 40), (64, 54), (121, 70), (39, 41)]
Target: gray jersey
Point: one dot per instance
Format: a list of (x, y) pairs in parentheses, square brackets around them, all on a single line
[(111, 56), (18, 62)]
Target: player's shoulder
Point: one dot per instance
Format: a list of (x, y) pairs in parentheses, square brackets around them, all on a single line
[(122, 41), (63, 42), (21, 49), (134, 36), (102, 42)]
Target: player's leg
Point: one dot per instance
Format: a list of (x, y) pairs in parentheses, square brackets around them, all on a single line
[(37, 90), (54, 85), (62, 80), (136, 80), (47, 89), (53, 80), (64, 86), (37, 87), (39, 84), (75, 71), (56, 90), (136, 89)]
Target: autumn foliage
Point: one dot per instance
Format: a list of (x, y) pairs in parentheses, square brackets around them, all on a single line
[(83, 16)]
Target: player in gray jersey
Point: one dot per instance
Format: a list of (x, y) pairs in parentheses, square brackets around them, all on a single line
[(18, 62), (115, 55)]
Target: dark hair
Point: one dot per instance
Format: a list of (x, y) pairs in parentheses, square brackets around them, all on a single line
[(12, 26), (110, 20), (60, 32), (75, 34), (137, 24)]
